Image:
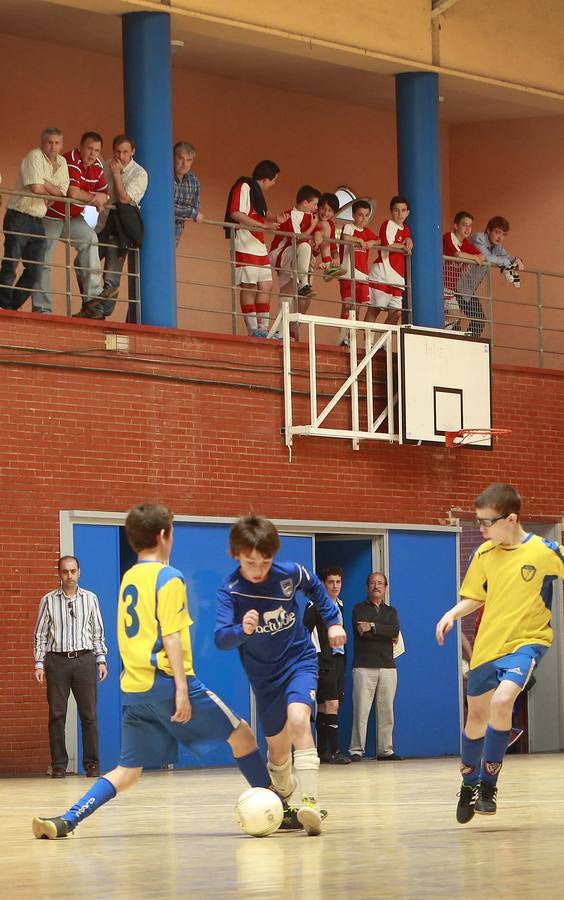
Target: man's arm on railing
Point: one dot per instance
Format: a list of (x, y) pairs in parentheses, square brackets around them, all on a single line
[(45, 190), (99, 199)]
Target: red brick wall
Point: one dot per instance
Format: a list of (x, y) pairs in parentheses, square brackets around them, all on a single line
[(194, 421)]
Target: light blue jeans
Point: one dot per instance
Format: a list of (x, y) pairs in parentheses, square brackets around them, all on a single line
[(87, 261)]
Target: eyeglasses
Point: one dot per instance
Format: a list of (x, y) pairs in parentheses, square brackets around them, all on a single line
[(70, 607), (487, 523)]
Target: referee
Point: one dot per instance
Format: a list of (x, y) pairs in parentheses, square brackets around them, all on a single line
[(70, 655)]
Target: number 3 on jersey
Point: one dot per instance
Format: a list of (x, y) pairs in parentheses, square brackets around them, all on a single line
[(131, 594)]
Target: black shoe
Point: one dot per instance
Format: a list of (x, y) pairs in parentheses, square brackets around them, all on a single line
[(50, 829), (92, 309), (486, 802), (356, 757), (92, 770), (325, 757), (339, 759), (58, 772), (307, 291), (466, 800), (393, 756)]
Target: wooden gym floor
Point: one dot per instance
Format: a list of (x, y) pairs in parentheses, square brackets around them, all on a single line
[(391, 833)]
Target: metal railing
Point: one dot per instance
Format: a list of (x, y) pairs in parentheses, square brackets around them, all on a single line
[(68, 300), (525, 326)]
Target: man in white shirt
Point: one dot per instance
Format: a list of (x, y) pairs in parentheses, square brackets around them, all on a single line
[(127, 183), (44, 173)]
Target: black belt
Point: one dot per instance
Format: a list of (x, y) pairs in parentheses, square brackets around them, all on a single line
[(71, 654)]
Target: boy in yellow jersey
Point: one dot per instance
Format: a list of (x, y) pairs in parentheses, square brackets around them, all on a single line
[(163, 703), (511, 576)]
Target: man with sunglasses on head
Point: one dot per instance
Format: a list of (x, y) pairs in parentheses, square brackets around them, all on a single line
[(510, 576), (70, 655)]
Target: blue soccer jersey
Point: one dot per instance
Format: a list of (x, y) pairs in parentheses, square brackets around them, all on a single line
[(281, 640)]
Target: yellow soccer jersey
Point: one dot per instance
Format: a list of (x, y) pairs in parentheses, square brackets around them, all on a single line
[(515, 585), (152, 603)]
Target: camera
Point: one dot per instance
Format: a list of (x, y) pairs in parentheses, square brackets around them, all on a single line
[(511, 274)]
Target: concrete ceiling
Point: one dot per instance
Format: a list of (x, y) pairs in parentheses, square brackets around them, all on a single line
[(224, 54)]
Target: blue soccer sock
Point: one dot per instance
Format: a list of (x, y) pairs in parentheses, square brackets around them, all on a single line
[(471, 755), (253, 768), (495, 745), (100, 792)]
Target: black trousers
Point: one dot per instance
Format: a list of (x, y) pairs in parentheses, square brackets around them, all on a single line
[(79, 675)]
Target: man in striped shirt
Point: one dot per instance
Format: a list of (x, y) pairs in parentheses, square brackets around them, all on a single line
[(88, 186), (70, 655)]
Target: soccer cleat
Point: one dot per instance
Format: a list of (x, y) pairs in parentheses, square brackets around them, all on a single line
[(309, 815), (466, 800), (333, 272), (290, 821), (486, 801), (307, 291), (51, 829), (258, 332)]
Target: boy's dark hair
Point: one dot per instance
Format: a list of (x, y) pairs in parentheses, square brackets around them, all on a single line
[(501, 497), (497, 222), (332, 570), (145, 522), (331, 200), (121, 139), (399, 198), (360, 204), (307, 192), (64, 558), (462, 215), (265, 169), (254, 533), (383, 574), (91, 136)]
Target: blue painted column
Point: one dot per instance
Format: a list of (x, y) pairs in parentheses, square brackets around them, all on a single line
[(148, 119), (419, 176)]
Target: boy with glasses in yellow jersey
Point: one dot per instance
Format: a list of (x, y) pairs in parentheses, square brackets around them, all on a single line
[(511, 576), (163, 702)]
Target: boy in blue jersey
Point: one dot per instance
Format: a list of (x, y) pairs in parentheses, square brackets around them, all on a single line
[(163, 702), (258, 614), (511, 576)]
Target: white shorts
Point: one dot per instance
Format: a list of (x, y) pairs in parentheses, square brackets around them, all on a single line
[(252, 274), (287, 265), (385, 296)]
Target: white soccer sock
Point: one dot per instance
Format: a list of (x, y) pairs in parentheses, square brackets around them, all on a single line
[(282, 778), (263, 320), (306, 764), (250, 321)]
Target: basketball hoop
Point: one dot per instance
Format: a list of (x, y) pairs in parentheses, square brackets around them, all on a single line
[(473, 435)]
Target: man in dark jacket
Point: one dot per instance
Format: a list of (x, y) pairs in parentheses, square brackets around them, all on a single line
[(331, 684), (376, 628)]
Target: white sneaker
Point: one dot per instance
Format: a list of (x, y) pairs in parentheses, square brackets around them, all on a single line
[(309, 816)]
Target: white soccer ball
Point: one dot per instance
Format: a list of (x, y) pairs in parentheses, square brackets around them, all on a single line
[(259, 812)]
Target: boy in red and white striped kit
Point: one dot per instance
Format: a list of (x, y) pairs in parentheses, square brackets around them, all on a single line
[(387, 274), (301, 220), (246, 206), (360, 240)]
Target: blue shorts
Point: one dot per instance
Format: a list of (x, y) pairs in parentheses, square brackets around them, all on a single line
[(273, 699), (517, 667), (149, 738)]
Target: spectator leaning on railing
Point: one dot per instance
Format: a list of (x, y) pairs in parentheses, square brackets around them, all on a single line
[(44, 173), (186, 188), (88, 186), (456, 243), (490, 245), (120, 228)]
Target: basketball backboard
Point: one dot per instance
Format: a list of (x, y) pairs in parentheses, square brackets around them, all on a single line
[(445, 386)]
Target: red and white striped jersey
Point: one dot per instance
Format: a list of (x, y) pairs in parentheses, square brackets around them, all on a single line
[(297, 223), (250, 249), (389, 267), (87, 178), (360, 256), (452, 246)]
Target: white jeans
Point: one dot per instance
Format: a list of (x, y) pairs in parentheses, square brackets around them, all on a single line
[(368, 683), (87, 262)]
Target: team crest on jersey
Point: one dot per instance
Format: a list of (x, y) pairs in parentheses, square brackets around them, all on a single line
[(287, 587), (492, 768), (528, 572)]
